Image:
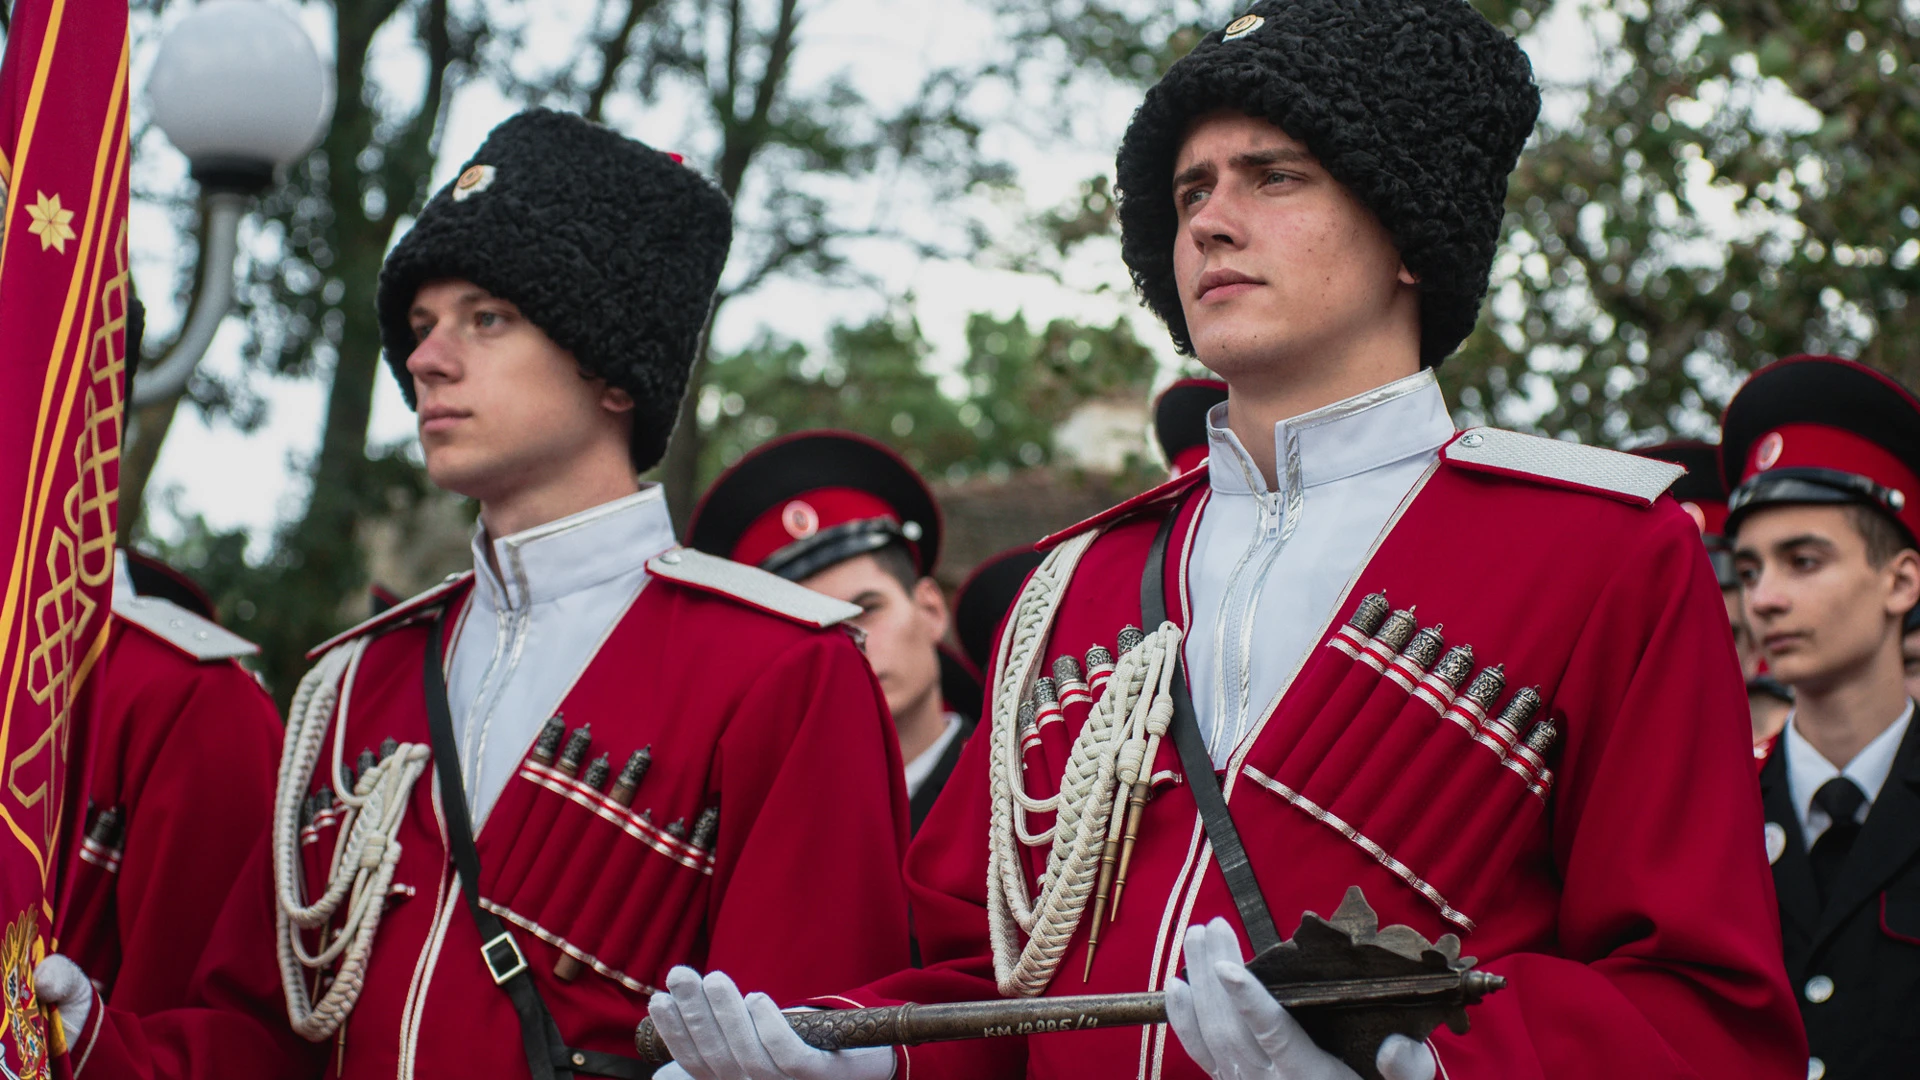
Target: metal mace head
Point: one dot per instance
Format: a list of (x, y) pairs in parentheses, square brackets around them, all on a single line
[(1352, 945)]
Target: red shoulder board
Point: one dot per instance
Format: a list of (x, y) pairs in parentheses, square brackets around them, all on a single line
[(399, 614), (1163, 496), (1629, 478)]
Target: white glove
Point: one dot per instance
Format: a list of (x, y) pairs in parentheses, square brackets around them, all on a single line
[(715, 1034), (60, 984), (1232, 1028)]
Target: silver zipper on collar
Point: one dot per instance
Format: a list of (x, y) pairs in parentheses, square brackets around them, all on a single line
[(1279, 518)]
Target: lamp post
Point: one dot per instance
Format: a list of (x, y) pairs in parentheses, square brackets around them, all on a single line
[(239, 88)]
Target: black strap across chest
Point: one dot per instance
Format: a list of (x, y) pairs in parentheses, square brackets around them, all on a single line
[(1228, 851), (548, 1056)]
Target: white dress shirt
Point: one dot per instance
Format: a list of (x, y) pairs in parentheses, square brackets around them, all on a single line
[(530, 629), (1808, 769), (922, 764), (1267, 566)]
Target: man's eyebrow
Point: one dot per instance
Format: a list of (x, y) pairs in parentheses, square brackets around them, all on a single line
[(465, 299), (1803, 540), (1197, 171), (1276, 155), (869, 595), (1254, 159)]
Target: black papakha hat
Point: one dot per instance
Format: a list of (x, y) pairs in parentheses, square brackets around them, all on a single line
[(610, 247), (1418, 107)]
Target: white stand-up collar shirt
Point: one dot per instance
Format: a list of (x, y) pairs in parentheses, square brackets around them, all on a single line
[(1808, 770), (1268, 565), (921, 767), (531, 628)]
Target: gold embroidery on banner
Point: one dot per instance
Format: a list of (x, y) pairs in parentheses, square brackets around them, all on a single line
[(53, 225), (79, 551), (20, 952)]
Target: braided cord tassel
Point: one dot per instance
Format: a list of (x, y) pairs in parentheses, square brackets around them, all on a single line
[(1010, 911), (1118, 730), (363, 863)]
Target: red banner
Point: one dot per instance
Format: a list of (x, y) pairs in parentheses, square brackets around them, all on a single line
[(63, 309)]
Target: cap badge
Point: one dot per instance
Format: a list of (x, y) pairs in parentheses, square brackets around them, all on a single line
[(1768, 452), (475, 180), (800, 519), (1242, 26)]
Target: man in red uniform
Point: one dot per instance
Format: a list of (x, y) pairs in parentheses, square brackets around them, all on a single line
[(843, 515), (508, 806), (179, 794), (1825, 454), (1485, 677)]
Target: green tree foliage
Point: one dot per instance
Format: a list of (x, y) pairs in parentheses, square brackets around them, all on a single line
[(785, 154), (1738, 182), (1015, 387), (1726, 183)]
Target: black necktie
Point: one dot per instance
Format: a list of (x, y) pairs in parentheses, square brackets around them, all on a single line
[(1841, 798)]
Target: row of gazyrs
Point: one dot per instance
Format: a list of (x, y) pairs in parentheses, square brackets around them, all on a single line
[(322, 806), (1393, 645), (565, 753)]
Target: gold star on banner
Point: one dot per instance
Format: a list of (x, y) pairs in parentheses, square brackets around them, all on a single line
[(50, 223)]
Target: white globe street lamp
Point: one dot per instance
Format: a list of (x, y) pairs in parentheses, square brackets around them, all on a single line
[(239, 88)]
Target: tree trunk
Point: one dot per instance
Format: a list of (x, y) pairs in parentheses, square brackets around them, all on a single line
[(149, 429)]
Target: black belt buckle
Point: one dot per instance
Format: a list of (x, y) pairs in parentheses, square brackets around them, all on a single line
[(518, 959)]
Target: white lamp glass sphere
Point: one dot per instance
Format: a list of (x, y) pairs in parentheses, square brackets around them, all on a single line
[(238, 84)]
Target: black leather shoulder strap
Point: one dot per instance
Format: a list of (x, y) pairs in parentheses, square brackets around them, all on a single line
[(548, 1056), (1228, 851)]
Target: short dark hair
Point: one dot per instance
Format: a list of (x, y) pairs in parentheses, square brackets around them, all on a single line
[(1884, 537), (899, 565)]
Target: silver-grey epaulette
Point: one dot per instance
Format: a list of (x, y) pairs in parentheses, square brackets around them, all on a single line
[(1629, 477), (751, 586), (202, 639)]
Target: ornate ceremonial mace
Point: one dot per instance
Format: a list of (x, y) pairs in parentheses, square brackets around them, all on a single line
[(1349, 983)]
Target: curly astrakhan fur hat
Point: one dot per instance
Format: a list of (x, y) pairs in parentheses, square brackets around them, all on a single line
[(1419, 107), (610, 247)]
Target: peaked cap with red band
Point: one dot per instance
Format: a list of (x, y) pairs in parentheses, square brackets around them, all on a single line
[(800, 504), (151, 577), (1819, 429), (1180, 421), (983, 600), (1701, 491)]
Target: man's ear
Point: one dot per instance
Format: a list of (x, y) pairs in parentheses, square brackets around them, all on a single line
[(1904, 573), (1408, 277), (931, 602), (615, 400)]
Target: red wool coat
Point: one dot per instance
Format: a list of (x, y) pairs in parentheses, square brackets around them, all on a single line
[(1628, 904), (776, 721), (185, 744)]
